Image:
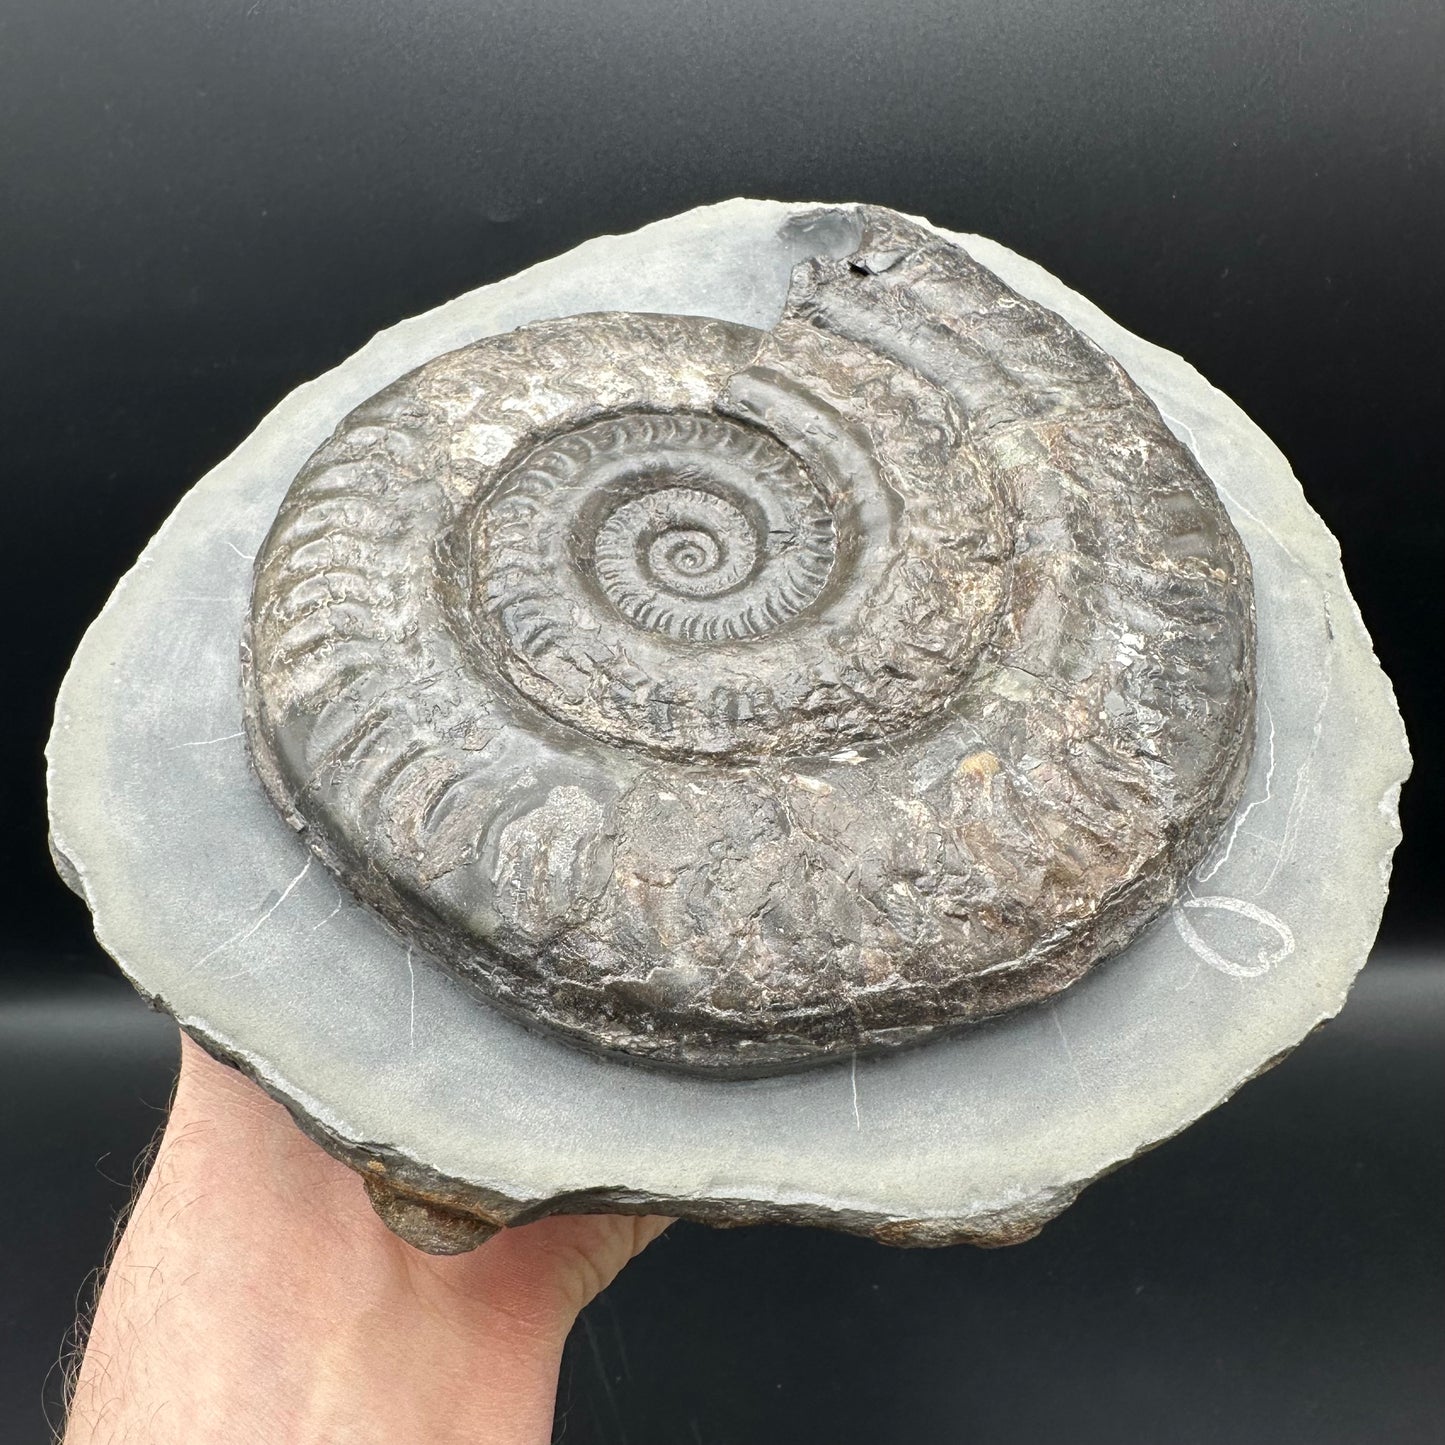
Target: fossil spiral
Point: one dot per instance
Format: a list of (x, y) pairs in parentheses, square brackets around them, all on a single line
[(735, 699)]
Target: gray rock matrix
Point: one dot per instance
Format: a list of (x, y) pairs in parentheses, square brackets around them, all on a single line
[(737, 699), (461, 1120)]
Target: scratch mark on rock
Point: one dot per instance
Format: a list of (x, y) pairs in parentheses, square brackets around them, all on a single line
[(1304, 777), (316, 927), (411, 1028), (1068, 1048), (1205, 874), (206, 742), (243, 934), (1264, 960)]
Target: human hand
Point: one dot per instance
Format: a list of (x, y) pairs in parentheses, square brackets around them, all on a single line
[(255, 1297)]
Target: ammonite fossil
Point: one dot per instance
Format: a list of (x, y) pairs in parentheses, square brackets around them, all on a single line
[(734, 699)]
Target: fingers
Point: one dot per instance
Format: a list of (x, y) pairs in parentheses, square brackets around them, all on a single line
[(540, 1274)]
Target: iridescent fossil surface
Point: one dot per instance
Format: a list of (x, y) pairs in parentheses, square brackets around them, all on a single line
[(735, 699)]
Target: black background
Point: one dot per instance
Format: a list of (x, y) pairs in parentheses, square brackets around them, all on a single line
[(205, 204)]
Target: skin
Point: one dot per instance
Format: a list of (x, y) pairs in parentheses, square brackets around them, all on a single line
[(254, 1295)]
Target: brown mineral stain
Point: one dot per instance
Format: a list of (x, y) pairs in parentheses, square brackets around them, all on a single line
[(980, 765)]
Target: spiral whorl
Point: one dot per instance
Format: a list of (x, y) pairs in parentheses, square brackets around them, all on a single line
[(733, 698)]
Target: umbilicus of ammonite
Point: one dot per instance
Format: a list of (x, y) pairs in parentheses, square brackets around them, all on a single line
[(734, 700)]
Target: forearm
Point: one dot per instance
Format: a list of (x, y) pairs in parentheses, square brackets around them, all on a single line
[(255, 1296)]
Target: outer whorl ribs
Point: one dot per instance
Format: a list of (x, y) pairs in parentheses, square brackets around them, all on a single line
[(737, 699)]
